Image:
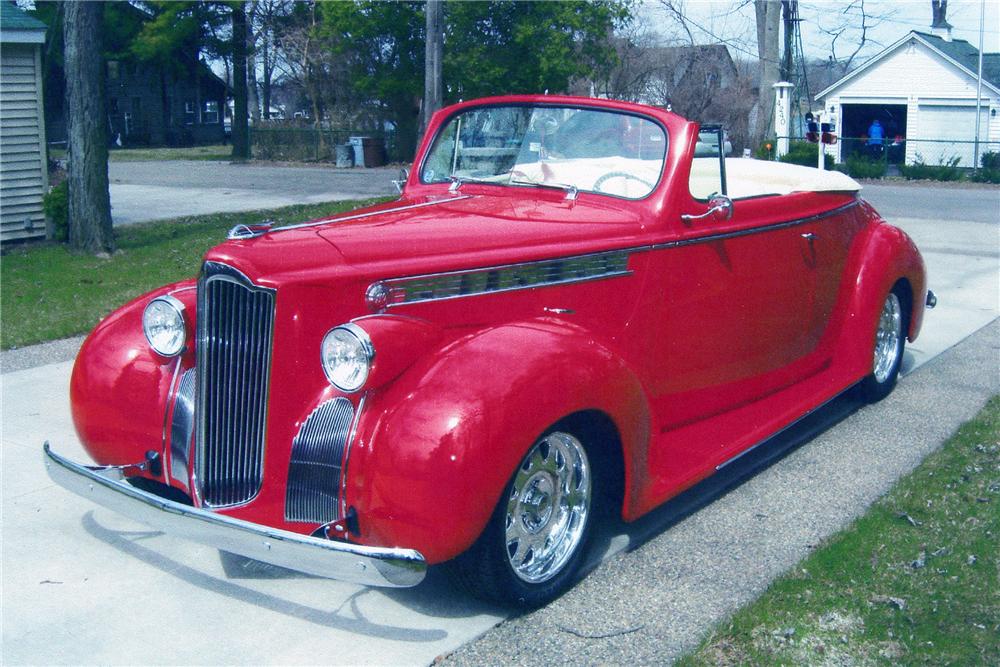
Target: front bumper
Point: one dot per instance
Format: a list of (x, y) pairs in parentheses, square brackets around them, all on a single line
[(372, 566)]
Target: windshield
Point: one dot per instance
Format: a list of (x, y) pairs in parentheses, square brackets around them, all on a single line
[(591, 150)]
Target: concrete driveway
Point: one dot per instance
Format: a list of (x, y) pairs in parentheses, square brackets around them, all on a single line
[(142, 191), (82, 585)]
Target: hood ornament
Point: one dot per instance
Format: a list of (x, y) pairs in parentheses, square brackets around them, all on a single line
[(250, 231)]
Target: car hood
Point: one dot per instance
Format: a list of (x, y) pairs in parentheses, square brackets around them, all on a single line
[(426, 235)]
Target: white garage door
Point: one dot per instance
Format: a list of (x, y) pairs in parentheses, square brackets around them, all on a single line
[(947, 132)]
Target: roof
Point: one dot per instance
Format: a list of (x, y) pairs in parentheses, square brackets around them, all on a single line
[(958, 51), (967, 55), (13, 18)]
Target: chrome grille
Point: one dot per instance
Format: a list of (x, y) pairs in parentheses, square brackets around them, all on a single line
[(181, 428), (314, 474), (235, 326)]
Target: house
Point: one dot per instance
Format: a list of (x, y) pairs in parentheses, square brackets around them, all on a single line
[(922, 89), (23, 166), (149, 104), (171, 101)]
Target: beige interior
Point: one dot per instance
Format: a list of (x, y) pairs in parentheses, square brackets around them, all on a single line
[(746, 177)]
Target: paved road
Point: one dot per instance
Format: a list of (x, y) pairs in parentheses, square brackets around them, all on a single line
[(142, 191), (83, 585), (939, 201)]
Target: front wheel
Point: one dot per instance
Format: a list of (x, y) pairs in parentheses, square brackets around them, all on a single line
[(534, 544), (890, 340)]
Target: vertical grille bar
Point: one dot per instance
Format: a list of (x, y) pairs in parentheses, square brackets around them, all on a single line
[(235, 327)]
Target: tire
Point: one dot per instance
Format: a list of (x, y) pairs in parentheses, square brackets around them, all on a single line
[(890, 341), (535, 542)]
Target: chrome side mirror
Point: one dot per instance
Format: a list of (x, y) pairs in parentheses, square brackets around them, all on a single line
[(400, 183), (720, 208)]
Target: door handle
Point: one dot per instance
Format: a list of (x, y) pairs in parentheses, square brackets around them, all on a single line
[(809, 236)]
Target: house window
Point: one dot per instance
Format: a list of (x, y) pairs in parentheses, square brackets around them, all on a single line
[(114, 69), (210, 114), (113, 106), (190, 113)]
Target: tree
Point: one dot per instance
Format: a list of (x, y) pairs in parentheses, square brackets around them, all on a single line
[(241, 128), (89, 198)]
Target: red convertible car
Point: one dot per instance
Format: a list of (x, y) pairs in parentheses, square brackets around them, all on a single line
[(575, 306)]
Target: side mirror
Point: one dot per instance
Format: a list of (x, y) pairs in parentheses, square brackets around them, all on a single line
[(400, 183), (720, 209)]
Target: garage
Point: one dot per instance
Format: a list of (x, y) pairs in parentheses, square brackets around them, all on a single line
[(943, 133), (922, 90)]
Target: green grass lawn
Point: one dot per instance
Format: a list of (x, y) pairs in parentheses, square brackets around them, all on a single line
[(212, 152), (49, 292), (914, 581)]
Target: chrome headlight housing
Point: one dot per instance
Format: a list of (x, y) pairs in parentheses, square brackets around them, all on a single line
[(347, 354), (164, 326)]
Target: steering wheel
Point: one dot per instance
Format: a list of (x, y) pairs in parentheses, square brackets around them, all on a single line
[(619, 174)]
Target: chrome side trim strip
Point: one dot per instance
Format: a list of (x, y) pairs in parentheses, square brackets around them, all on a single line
[(505, 278), (371, 566), (409, 207), (708, 238)]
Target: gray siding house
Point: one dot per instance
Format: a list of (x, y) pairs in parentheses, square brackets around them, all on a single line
[(23, 168)]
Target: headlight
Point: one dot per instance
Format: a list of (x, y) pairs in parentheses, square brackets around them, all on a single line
[(163, 324), (347, 354)]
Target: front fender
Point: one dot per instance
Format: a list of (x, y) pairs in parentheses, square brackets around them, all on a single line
[(883, 255), (436, 448), (119, 386)]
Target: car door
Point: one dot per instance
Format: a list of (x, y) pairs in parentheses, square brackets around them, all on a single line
[(735, 321)]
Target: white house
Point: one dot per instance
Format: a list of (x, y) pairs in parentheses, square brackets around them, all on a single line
[(922, 89)]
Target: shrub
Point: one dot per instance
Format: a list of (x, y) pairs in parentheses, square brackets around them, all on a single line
[(56, 206), (986, 176), (990, 161), (804, 153), (859, 166), (946, 170)]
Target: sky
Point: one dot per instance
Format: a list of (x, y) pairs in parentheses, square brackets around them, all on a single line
[(732, 21)]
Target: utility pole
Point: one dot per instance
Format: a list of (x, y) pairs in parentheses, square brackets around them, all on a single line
[(432, 60), (789, 14)]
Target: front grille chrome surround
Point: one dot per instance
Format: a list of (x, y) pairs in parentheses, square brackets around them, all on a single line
[(235, 338)]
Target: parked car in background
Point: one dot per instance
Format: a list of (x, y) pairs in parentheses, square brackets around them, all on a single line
[(576, 308)]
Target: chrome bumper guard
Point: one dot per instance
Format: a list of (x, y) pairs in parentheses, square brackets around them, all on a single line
[(372, 566)]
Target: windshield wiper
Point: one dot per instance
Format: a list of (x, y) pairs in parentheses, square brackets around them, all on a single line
[(571, 190)]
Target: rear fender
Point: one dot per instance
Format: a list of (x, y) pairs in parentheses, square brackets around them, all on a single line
[(435, 449), (883, 255)]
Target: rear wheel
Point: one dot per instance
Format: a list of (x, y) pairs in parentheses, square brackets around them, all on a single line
[(535, 541), (890, 341)]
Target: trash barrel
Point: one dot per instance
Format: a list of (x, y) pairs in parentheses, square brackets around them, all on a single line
[(358, 144), (374, 152), (344, 155)]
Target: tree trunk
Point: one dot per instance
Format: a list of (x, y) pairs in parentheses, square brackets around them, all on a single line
[(87, 130), (432, 60), (241, 129), (265, 88), (768, 19), (253, 101)]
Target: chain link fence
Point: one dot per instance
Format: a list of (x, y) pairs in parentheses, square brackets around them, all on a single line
[(310, 144)]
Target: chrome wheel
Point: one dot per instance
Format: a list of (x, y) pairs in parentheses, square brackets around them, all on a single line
[(887, 336), (548, 507)]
